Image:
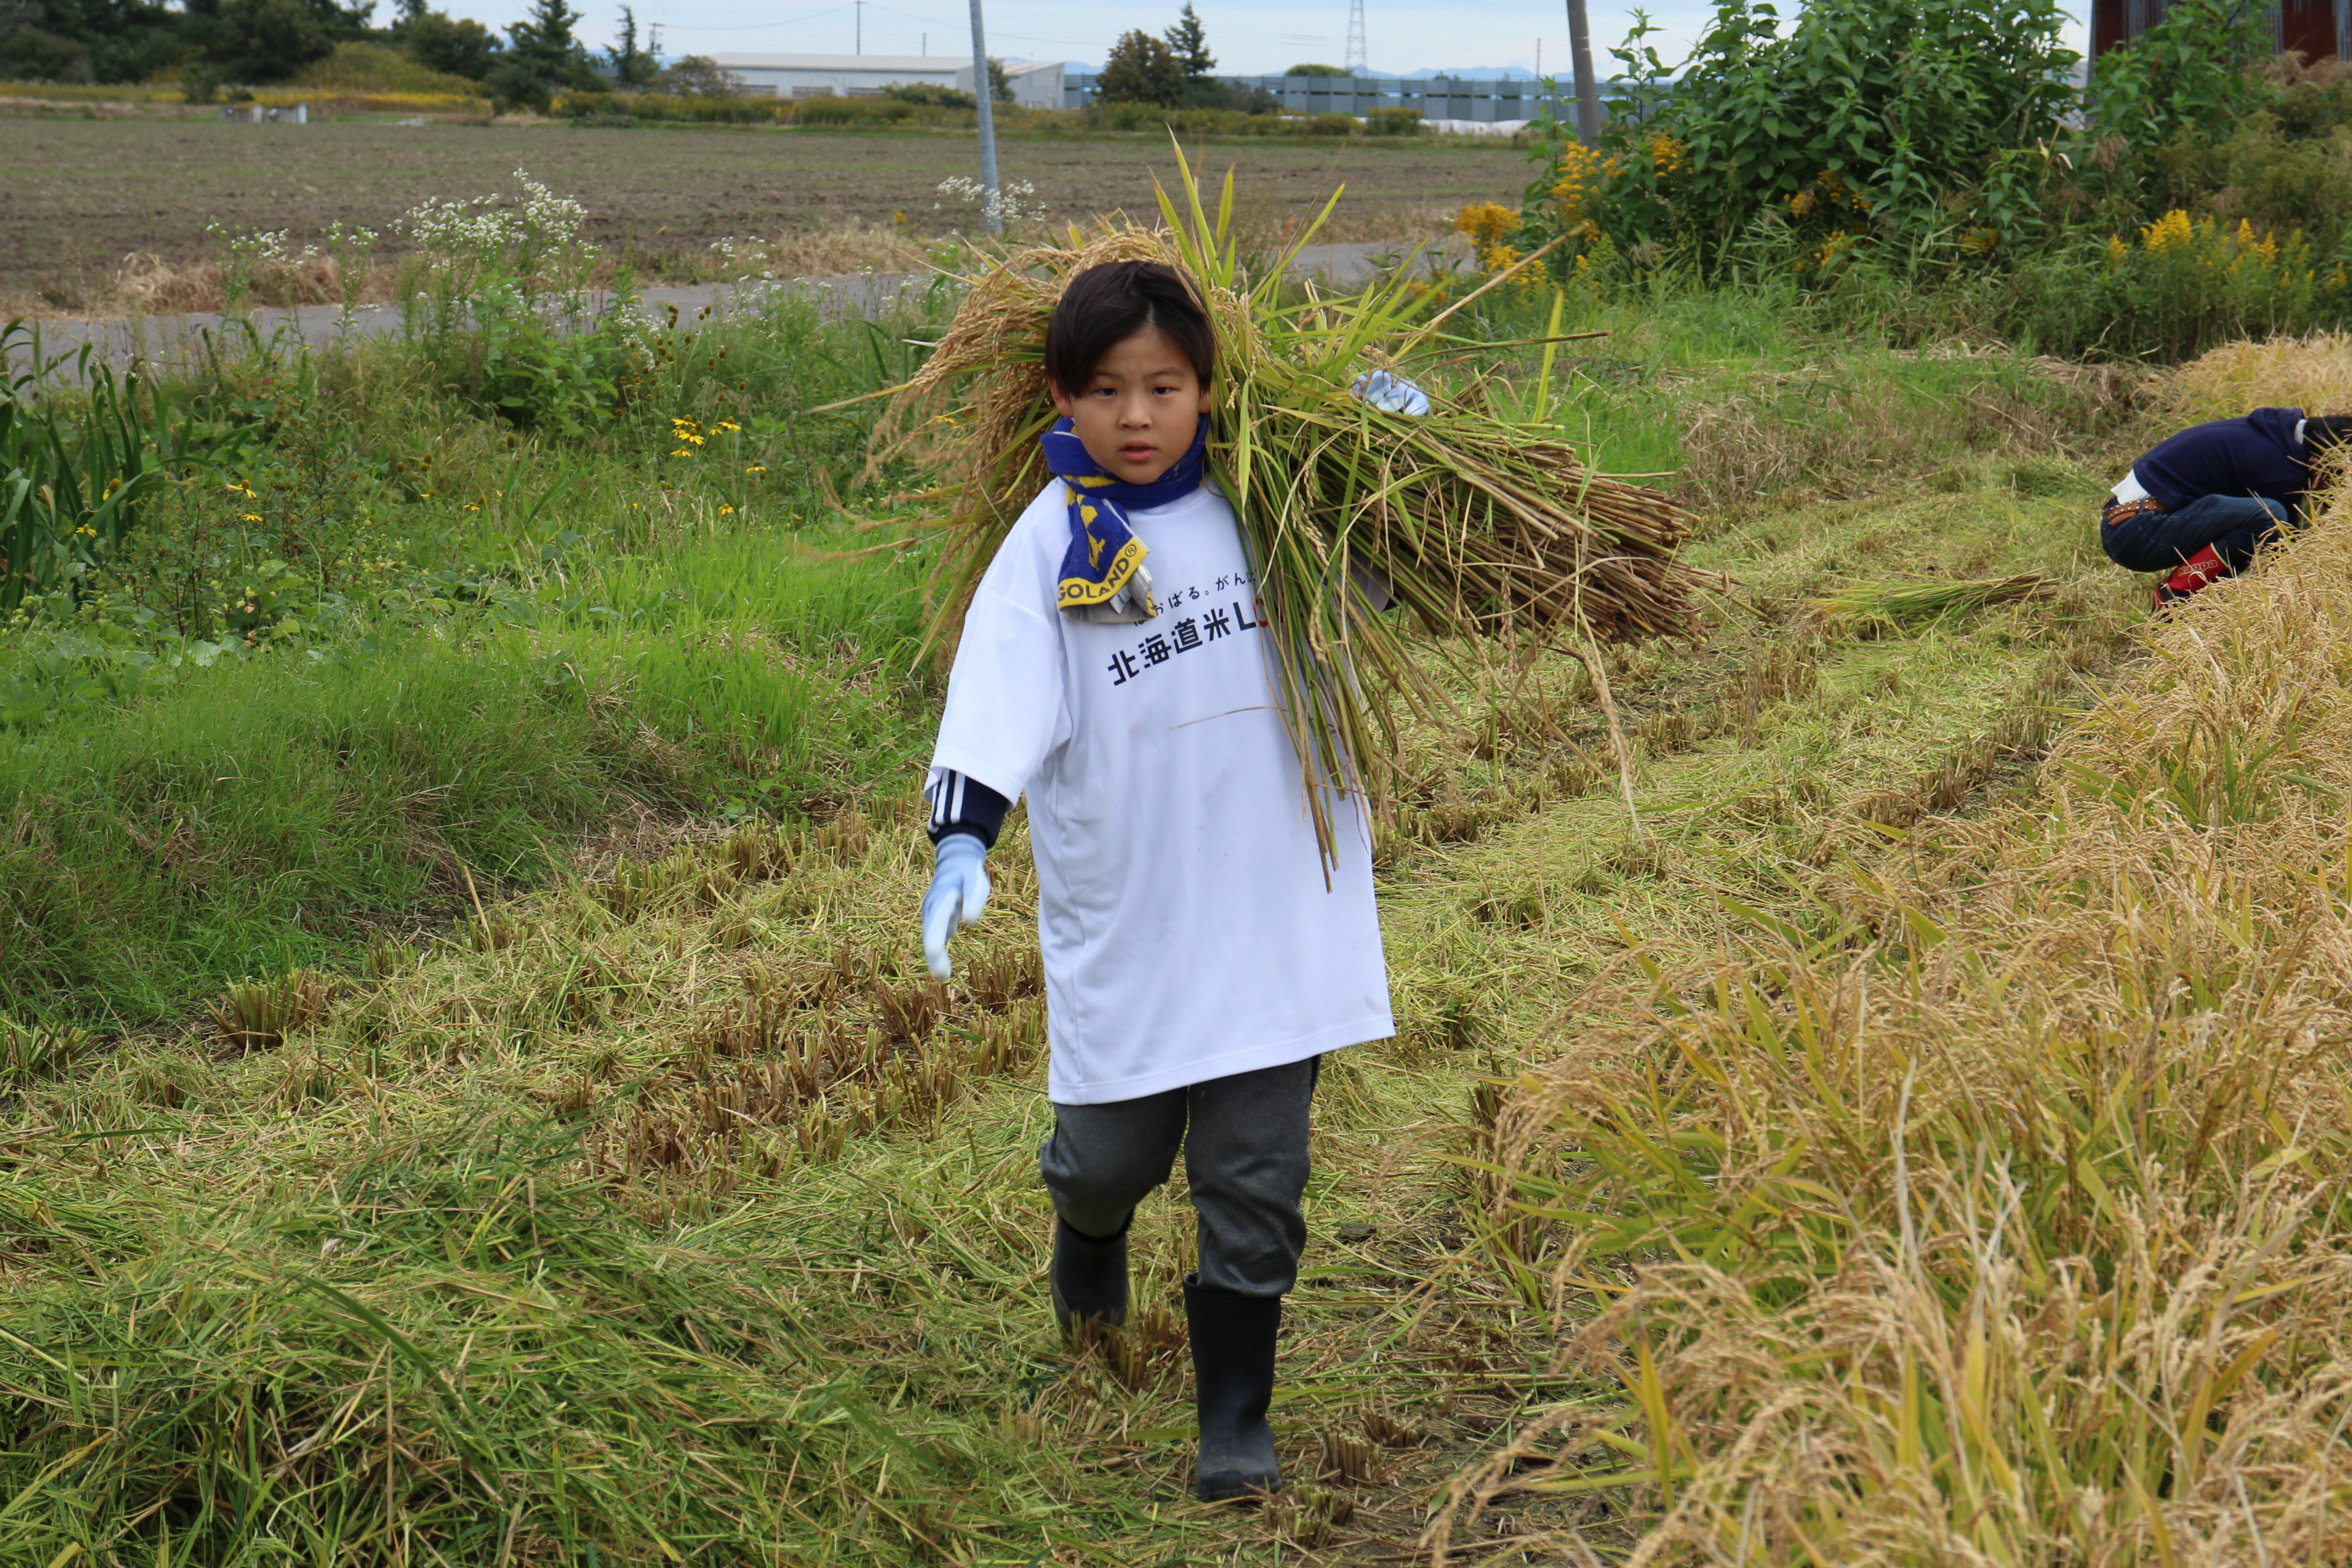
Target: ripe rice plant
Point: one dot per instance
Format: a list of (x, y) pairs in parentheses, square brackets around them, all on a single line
[(1480, 525), (2000, 1214)]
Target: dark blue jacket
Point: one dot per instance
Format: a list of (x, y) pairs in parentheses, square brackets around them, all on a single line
[(2256, 456)]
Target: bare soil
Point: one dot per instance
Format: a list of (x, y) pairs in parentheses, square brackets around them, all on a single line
[(77, 199)]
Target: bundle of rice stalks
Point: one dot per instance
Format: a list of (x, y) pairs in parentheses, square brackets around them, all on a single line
[(1893, 606), (1481, 527)]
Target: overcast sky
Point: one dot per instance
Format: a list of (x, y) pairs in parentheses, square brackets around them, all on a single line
[(1248, 37)]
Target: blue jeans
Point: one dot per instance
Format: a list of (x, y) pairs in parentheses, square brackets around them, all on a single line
[(2161, 541)]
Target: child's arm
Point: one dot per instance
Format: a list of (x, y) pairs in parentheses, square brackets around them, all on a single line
[(1004, 716), (966, 816)]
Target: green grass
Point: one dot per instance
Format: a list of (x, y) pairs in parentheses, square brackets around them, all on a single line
[(535, 1243), (504, 647), (263, 817)]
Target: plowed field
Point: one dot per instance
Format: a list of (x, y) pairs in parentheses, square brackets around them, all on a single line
[(77, 196)]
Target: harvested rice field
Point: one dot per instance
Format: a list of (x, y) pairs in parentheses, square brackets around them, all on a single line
[(470, 1093)]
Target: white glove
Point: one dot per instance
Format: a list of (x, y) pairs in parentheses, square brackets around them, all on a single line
[(1392, 393), (959, 893)]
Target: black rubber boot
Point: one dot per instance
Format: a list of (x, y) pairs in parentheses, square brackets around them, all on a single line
[(1232, 1384), (1089, 1277)]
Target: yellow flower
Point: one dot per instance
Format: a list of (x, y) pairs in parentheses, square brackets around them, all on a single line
[(2171, 232), (1801, 203), (1665, 152), (239, 488), (2117, 251), (727, 427), (1980, 241), (1486, 223), (727, 511), (683, 452), (757, 469), (250, 516)]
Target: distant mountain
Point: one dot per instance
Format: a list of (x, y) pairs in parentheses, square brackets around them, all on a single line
[(1512, 72), (1465, 73)]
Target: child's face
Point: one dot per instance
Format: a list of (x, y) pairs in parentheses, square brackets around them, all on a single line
[(1138, 414)]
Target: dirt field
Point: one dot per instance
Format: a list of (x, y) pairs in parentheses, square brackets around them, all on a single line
[(77, 196)]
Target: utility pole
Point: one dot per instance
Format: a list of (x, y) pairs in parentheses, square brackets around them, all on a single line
[(859, 7), (1587, 91), (984, 89)]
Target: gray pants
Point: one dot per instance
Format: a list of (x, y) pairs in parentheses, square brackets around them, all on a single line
[(1244, 1142)]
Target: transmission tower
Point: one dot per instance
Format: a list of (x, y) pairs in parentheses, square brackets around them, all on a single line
[(1356, 61)]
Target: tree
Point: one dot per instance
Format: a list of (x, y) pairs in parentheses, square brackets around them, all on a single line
[(1190, 41), (93, 40), (269, 40), (542, 43), (1000, 86), (698, 76), (543, 58), (631, 65), (1318, 70), (1142, 69), (457, 46), (36, 54)]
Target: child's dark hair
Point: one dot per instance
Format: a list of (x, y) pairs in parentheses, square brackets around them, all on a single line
[(2325, 431), (1107, 304)]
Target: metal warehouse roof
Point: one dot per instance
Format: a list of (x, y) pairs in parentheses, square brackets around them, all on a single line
[(842, 62)]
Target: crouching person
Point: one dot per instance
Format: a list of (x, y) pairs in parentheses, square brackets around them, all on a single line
[(2198, 504), (1197, 963)]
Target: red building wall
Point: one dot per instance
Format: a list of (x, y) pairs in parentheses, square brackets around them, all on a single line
[(2316, 28)]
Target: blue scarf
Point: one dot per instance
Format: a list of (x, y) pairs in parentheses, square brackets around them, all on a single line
[(1103, 577)]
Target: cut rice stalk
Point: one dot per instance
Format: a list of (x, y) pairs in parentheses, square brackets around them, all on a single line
[(1897, 605), (1482, 528)]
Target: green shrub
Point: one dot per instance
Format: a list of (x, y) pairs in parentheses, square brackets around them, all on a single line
[(1394, 122), (75, 473), (1866, 114), (876, 111), (2185, 73), (1154, 118), (695, 108), (930, 94), (1331, 125), (2182, 287), (2275, 178)]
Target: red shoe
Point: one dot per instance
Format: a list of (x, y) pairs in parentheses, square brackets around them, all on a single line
[(2196, 574)]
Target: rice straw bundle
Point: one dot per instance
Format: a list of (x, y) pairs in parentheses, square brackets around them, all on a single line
[(1484, 528)]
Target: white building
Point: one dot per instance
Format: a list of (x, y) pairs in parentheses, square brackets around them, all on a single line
[(1038, 85)]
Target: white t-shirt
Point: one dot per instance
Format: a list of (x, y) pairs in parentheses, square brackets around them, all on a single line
[(1187, 929)]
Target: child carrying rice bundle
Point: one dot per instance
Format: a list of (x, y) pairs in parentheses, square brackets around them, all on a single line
[(1167, 650)]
